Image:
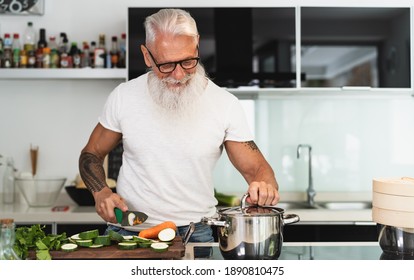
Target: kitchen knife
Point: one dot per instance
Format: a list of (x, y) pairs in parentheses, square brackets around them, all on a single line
[(130, 218)]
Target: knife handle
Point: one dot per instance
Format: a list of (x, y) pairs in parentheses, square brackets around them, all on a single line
[(118, 214)]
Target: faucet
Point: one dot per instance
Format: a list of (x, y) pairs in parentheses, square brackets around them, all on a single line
[(310, 191)]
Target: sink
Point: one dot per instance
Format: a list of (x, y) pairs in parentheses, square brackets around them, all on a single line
[(327, 205), (346, 205), (295, 205)]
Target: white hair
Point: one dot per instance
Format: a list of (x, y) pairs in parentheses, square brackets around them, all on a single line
[(170, 21)]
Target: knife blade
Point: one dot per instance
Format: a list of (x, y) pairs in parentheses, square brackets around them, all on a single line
[(130, 218)]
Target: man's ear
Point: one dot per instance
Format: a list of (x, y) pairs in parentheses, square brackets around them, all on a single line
[(145, 53)]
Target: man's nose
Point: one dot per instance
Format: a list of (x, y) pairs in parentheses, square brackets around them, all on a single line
[(178, 73)]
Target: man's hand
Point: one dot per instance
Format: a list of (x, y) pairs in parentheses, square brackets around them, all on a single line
[(106, 201), (262, 194)]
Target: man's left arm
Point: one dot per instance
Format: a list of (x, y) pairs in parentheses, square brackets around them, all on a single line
[(250, 162)]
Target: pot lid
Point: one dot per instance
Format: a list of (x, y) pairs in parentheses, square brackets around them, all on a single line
[(251, 211)]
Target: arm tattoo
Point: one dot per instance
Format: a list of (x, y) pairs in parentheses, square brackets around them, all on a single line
[(92, 172), (251, 145)]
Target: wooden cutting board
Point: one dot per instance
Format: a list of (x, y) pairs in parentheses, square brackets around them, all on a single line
[(175, 251)]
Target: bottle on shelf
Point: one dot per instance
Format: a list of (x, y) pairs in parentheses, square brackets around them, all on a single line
[(16, 47), (1, 51), (42, 43), (23, 59), (46, 57), (29, 37), (63, 43), (114, 52), (54, 59), (75, 55), (85, 55), (7, 239), (31, 59), (65, 60), (100, 53), (39, 58), (122, 51), (92, 54), (8, 181), (7, 52), (52, 43)]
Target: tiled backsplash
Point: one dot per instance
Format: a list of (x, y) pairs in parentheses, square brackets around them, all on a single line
[(353, 141)]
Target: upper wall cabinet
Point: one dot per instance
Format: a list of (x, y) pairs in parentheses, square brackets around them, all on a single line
[(239, 46), (345, 47), (304, 46)]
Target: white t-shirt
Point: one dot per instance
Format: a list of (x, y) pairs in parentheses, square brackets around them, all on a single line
[(167, 163)]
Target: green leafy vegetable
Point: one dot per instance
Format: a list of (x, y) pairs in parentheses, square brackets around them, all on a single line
[(34, 238)]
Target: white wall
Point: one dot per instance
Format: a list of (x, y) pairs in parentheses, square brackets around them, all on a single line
[(57, 115), (353, 140)]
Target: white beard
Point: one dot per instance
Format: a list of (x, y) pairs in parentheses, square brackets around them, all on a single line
[(177, 100)]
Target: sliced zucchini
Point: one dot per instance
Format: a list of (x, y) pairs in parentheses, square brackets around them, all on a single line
[(159, 247), (128, 237), (90, 234), (166, 234), (130, 241), (142, 239), (145, 244), (115, 236), (127, 245), (96, 246), (75, 237), (69, 247), (84, 242), (102, 239)]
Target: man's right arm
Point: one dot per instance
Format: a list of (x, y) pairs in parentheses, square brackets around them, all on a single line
[(91, 170), (100, 143)]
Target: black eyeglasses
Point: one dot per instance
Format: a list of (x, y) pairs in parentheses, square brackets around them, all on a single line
[(169, 67)]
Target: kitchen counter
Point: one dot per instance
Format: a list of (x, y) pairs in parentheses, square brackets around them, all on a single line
[(74, 214), (314, 251)]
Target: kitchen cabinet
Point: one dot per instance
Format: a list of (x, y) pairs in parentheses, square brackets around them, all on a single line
[(355, 46), (312, 48)]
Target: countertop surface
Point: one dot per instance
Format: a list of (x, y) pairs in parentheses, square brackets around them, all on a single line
[(314, 251), (70, 212)]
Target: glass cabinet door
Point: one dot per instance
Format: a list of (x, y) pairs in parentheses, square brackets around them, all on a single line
[(361, 47)]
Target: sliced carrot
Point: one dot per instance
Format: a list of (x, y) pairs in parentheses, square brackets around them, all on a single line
[(152, 232)]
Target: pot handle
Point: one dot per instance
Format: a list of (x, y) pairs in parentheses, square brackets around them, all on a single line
[(290, 219), (214, 222), (243, 201)]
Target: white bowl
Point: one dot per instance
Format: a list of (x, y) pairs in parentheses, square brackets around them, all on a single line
[(42, 191)]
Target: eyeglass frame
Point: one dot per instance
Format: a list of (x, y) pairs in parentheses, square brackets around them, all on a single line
[(197, 59)]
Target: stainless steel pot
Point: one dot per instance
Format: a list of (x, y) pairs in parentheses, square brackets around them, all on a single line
[(250, 232), (396, 240)]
